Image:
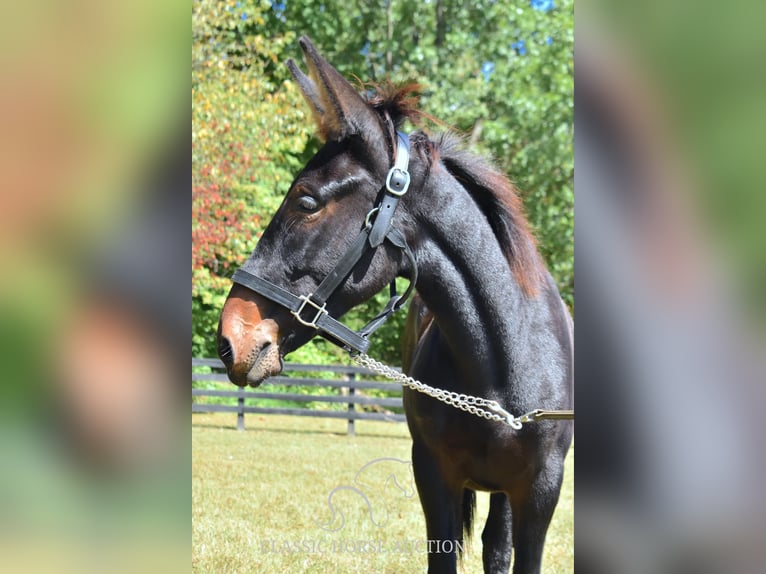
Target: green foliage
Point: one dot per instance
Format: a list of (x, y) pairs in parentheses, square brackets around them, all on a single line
[(249, 129), (499, 72)]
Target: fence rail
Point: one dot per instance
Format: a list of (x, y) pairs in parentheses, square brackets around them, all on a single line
[(350, 390)]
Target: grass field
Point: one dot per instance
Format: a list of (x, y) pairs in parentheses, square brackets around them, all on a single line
[(262, 500)]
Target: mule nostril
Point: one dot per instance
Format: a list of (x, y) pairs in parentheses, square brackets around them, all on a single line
[(225, 351)]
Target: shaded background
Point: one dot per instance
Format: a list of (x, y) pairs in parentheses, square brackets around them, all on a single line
[(94, 307), (669, 262)]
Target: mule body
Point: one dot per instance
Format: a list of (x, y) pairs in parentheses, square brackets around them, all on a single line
[(519, 356), (488, 320)]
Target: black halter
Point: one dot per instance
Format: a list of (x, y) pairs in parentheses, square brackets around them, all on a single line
[(310, 310)]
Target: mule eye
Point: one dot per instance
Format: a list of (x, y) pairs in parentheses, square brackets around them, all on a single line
[(308, 204)]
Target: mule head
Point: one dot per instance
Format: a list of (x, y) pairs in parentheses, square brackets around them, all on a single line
[(322, 213)]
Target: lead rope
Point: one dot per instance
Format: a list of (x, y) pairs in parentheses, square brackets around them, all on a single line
[(484, 408)]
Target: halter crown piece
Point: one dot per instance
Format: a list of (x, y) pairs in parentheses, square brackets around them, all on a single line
[(311, 309)]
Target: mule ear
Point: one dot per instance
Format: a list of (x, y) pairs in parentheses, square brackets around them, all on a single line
[(340, 110), (308, 89)]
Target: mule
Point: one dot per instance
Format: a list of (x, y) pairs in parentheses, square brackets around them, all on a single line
[(487, 319)]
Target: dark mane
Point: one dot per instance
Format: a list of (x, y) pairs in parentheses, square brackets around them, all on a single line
[(493, 192), (396, 102), (498, 199)]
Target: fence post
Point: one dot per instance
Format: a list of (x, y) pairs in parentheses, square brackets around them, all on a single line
[(351, 392), (240, 413)]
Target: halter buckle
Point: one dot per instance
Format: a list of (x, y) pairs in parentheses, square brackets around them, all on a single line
[(397, 181), (306, 300)]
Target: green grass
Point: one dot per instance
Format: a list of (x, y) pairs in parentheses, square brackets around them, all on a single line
[(259, 499)]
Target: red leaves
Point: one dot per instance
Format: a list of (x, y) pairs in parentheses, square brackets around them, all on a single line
[(217, 215), (222, 228)]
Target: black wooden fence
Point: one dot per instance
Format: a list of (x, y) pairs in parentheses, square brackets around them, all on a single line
[(349, 385)]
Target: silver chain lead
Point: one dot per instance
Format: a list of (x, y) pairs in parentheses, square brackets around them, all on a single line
[(484, 408)]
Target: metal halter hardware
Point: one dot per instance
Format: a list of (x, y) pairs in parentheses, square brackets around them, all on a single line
[(397, 181), (307, 301)]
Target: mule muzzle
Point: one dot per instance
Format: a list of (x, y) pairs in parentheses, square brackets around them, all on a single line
[(248, 345)]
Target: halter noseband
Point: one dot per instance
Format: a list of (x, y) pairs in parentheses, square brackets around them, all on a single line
[(310, 310)]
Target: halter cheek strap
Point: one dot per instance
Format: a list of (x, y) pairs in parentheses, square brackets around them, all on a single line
[(397, 184), (310, 310)]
